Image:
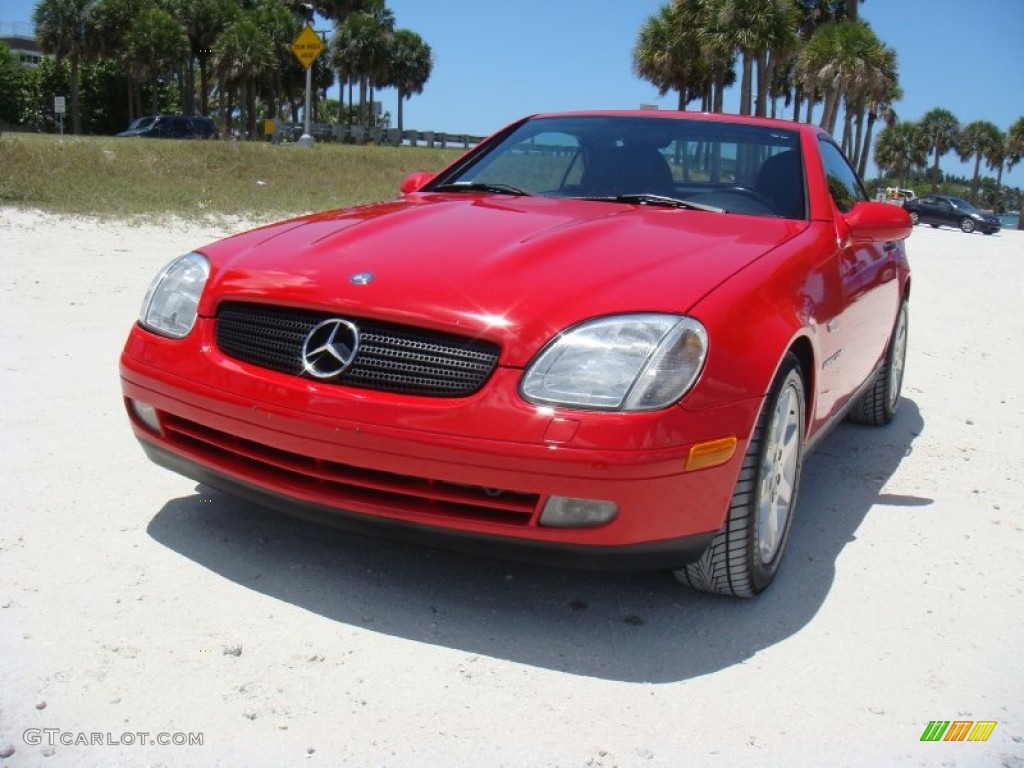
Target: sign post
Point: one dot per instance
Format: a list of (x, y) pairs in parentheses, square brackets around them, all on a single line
[(307, 47), (59, 109)]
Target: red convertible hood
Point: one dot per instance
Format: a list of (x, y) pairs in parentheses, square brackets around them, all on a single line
[(515, 270)]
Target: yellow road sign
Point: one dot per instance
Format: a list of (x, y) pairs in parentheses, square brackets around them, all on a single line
[(307, 46)]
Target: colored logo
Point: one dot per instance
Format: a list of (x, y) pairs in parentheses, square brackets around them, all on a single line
[(958, 730)]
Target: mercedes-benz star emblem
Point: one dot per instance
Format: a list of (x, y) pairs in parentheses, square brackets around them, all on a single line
[(361, 278), (330, 348)]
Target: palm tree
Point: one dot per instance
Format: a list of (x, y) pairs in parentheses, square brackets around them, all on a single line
[(409, 67), (756, 28), (995, 160), (63, 30), (843, 60), (810, 15), (281, 26), (716, 43), (900, 148), (1014, 154), (942, 129), (883, 93), (10, 84), (977, 140), (667, 54), (156, 45), (203, 21), (339, 11), (245, 54), (111, 22), (359, 48)]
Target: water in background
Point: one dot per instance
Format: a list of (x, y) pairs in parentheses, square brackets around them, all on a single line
[(1009, 220)]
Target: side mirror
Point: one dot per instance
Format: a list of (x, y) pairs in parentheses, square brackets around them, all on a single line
[(414, 181), (878, 222)]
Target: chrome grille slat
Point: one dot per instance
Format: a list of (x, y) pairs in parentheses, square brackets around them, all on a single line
[(391, 358)]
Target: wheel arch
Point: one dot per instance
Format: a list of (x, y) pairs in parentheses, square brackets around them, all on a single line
[(803, 351)]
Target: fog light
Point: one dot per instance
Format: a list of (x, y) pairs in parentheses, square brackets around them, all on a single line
[(146, 414), (563, 512)]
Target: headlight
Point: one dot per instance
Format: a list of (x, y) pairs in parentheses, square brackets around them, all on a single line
[(622, 363), (173, 298)]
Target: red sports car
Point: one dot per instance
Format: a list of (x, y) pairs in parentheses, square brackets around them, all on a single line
[(602, 339)]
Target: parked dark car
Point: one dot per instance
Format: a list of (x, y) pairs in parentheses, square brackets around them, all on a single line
[(171, 127), (951, 211)]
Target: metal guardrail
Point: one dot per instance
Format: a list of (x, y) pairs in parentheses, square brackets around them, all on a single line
[(354, 134)]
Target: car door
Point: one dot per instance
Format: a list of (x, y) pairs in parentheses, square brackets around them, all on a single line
[(945, 213), (868, 279), (926, 209)]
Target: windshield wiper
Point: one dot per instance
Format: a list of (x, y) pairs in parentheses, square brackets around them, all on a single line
[(646, 198), (480, 186)]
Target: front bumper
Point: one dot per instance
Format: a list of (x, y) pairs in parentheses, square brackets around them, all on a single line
[(473, 474)]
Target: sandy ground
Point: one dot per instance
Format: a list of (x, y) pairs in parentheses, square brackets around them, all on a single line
[(132, 601)]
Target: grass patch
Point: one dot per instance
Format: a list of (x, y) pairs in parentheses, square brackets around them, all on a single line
[(108, 176)]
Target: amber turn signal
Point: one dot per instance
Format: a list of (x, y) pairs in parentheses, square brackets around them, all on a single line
[(711, 453)]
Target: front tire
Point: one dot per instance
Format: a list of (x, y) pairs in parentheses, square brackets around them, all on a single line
[(967, 225), (878, 405), (914, 218), (744, 556)]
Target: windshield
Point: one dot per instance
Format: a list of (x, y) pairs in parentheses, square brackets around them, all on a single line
[(141, 122), (717, 166), (963, 205)]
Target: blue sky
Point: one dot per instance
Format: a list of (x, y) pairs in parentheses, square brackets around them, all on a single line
[(497, 61)]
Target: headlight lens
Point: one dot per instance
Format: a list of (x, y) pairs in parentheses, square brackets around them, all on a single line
[(636, 362), (173, 297)]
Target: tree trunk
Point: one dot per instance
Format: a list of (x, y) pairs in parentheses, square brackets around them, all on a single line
[(681, 105), (204, 87), (401, 98), (76, 113), (764, 77), (834, 115), (253, 132), (847, 131), (999, 187), (188, 89), (977, 170), (865, 149), (798, 95), (341, 96), (137, 96), (858, 137), (826, 109), (935, 172), (748, 69), (222, 107)]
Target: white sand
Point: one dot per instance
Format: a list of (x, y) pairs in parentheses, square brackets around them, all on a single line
[(121, 588)]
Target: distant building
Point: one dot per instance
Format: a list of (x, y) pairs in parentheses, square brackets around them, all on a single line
[(19, 38)]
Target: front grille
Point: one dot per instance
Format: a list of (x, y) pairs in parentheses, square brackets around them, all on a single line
[(391, 358), (348, 487)]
